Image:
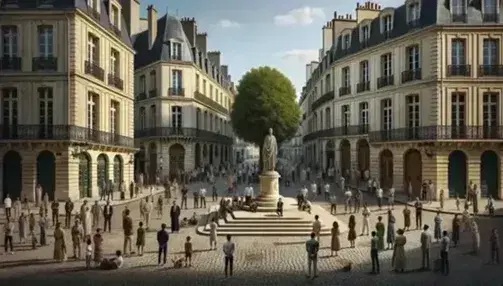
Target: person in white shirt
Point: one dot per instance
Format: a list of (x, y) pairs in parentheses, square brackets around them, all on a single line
[(327, 191), (229, 248), (314, 188), (426, 239), (248, 194), (317, 227), (342, 183), (366, 220), (202, 197), (379, 194), (8, 206), (333, 205), (113, 263), (304, 192), (347, 202), (307, 206), (444, 253)]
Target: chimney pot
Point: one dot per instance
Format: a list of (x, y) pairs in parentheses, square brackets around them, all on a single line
[(335, 14), (357, 5)]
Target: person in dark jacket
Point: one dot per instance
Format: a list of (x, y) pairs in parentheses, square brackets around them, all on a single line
[(162, 240), (175, 217)]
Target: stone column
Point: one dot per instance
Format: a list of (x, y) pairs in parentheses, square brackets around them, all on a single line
[(473, 170), (29, 175), (269, 191)]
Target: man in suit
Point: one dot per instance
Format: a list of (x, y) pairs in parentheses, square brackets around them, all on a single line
[(175, 217), (425, 247), (108, 211)]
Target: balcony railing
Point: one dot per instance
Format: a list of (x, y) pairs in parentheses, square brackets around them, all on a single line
[(459, 18), (95, 70), (176, 91), (365, 43), (209, 102), (413, 23), (44, 64), (62, 133), (491, 70), (115, 81), (385, 81), (386, 34), (434, 133), (182, 132), (10, 64), (116, 29), (141, 96), (490, 17), (411, 75), (328, 96), (152, 93), (93, 13), (344, 90), (351, 130), (459, 70), (363, 86)]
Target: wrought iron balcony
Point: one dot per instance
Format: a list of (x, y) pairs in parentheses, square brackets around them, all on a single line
[(116, 29), (152, 93), (62, 133), (328, 96), (95, 70), (385, 81), (414, 23), (10, 63), (209, 102), (411, 75), (44, 64), (491, 70), (344, 90), (436, 133), (183, 132), (93, 13), (141, 96), (386, 34), (325, 133), (365, 43), (115, 81), (491, 17), (459, 70), (363, 86), (350, 130), (459, 18), (176, 91)]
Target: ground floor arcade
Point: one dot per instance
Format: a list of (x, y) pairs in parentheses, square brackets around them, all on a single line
[(450, 165), (64, 171), (172, 157)]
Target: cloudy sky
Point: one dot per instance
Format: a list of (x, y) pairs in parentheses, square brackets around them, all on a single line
[(285, 34)]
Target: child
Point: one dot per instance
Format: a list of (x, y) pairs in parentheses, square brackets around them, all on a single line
[(140, 239), (188, 252), (89, 253)]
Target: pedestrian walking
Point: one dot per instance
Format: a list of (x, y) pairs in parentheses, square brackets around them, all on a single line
[(162, 240), (419, 213), (380, 228), (444, 253), (335, 244), (312, 248), (379, 195), (374, 253), (8, 206), (8, 235), (365, 220), (140, 238), (426, 240), (456, 230), (127, 227), (494, 242), (406, 218), (229, 248)]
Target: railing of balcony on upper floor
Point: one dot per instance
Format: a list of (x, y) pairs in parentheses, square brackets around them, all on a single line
[(385, 81), (411, 75), (491, 70), (177, 132), (459, 70), (491, 17), (141, 96), (363, 86), (91, 11), (94, 69), (459, 17), (434, 133), (349, 130), (176, 91), (344, 90), (414, 23), (152, 93), (10, 63), (115, 81), (328, 96), (44, 63)]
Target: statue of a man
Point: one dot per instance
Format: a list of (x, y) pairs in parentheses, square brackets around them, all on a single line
[(269, 152)]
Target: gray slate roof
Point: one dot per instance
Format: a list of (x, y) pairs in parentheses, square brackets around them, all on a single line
[(58, 5)]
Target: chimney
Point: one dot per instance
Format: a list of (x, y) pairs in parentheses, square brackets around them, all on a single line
[(214, 58), (224, 70), (152, 25), (190, 29), (131, 14), (202, 42)]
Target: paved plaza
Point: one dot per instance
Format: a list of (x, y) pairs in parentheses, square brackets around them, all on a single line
[(258, 260)]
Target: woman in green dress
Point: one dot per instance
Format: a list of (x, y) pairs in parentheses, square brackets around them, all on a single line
[(380, 228)]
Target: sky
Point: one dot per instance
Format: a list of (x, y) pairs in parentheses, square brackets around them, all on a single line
[(284, 34)]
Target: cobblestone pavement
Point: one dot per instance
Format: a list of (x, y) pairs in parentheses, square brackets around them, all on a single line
[(259, 261)]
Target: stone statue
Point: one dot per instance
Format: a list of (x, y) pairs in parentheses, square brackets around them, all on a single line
[(269, 152)]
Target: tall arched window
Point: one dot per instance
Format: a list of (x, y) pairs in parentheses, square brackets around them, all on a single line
[(143, 120)]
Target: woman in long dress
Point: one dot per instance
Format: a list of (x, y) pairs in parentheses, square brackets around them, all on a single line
[(335, 245), (438, 227), (380, 228), (352, 231), (475, 238), (22, 228), (59, 244), (98, 247), (399, 260), (390, 236), (87, 224), (43, 227)]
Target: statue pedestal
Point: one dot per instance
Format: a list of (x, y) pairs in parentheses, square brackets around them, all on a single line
[(269, 192)]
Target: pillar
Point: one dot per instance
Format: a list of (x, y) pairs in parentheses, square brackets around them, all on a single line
[(439, 174), (473, 169), (29, 161)]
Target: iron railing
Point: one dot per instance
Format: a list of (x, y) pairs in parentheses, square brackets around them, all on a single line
[(44, 64), (176, 91), (459, 70), (209, 102), (385, 81), (491, 70), (183, 132), (363, 86), (328, 96), (115, 81), (94, 69), (459, 17), (434, 133), (491, 17), (411, 75), (344, 90), (62, 133), (350, 130), (10, 63)]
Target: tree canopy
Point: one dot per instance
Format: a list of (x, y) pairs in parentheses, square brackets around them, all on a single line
[(266, 99)]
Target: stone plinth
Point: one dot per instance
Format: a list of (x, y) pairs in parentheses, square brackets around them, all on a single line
[(269, 192)]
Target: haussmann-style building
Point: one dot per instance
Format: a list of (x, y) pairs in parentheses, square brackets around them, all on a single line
[(66, 84), (410, 93)]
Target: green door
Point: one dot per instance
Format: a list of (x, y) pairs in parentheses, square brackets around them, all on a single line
[(85, 176), (12, 174), (490, 173), (46, 172), (457, 174)]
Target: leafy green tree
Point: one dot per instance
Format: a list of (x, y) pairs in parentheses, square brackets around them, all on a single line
[(266, 99)]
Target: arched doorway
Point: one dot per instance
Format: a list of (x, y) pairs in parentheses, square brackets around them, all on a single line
[(490, 172), (345, 152), (363, 151), (139, 161), (205, 154), (102, 170), (152, 167), (413, 171), (118, 170), (176, 160), (85, 188), (12, 174), (211, 154), (330, 153), (457, 171), (46, 172), (221, 154), (386, 169), (198, 155)]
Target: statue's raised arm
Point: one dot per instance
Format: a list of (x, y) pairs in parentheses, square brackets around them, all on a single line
[(269, 152)]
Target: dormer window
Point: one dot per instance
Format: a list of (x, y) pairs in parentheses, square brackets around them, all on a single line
[(114, 16), (365, 35), (176, 51), (458, 10), (346, 41), (387, 23), (490, 10), (413, 12)]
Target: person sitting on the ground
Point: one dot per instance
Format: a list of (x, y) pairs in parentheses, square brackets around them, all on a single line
[(113, 263), (253, 206), (307, 206), (184, 222), (193, 220)]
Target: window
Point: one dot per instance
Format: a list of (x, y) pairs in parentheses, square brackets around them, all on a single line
[(204, 87), (114, 62), (93, 49), (346, 41), (490, 114), (328, 118), (143, 119), (413, 116), (114, 117), (92, 111), (176, 116), (211, 91), (153, 80), (387, 24), (143, 84), (387, 115), (413, 58), (458, 7), (386, 65), (114, 16), (153, 116), (364, 72), (176, 79), (328, 85), (92, 4), (46, 108), (176, 51), (458, 110), (346, 115), (490, 10), (364, 116), (45, 41), (491, 52), (458, 54), (365, 33), (197, 82), (414, 12), (346, 77), (9, 108), (322, 87), (9, 41)]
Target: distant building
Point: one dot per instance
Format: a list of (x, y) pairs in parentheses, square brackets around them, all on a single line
[(292, 149), (244, 151)]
